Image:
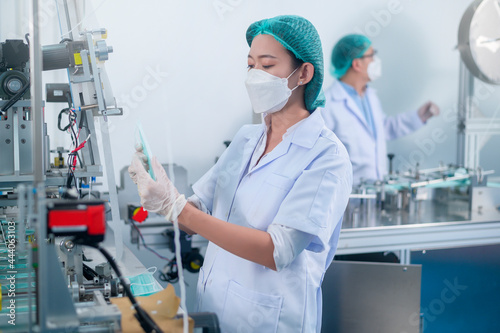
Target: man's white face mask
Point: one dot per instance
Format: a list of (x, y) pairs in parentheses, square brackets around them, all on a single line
[(375, 69), (268, 93)]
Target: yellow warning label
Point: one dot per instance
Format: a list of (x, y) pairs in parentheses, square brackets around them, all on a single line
[(78, 58)]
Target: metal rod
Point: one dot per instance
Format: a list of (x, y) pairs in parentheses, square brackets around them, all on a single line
[(431, 170), (36, 94), (461, 116), (362, 196), (37, 123), (87, 107), (467, 156), (68, 21), (437, 181)]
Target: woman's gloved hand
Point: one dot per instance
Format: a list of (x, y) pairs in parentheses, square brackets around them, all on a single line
[(427, 111), (158, 196), (142, 157)]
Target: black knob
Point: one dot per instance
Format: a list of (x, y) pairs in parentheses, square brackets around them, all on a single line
[(390, 156)]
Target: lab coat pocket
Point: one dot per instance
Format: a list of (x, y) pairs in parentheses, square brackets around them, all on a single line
[(250, 311), (268, 200)]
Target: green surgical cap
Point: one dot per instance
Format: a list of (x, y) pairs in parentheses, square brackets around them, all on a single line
[(299, 36), (345, 51)]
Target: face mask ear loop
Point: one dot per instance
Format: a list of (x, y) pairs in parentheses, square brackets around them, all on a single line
[(291, 75), (151, 270), (154, 268)]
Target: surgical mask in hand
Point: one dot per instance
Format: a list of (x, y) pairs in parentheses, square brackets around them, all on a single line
[(144, 284), (375, 69), (268, 93)]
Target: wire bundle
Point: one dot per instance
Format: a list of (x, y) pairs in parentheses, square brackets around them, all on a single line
[(73, 156)]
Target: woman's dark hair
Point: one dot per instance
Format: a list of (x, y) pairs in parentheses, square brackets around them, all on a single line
[(296, 62)]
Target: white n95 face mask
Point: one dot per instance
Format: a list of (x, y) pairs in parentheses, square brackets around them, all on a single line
[(268, 93), (375, 69)]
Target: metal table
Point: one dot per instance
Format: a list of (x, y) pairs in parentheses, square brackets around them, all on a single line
[(427, 225)]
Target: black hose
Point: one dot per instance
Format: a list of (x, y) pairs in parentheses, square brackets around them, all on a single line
[(147, 323)]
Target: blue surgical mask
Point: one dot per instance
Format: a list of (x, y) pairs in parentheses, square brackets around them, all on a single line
[(144, 284)]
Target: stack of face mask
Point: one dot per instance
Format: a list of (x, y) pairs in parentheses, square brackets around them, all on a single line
[(144, 284)]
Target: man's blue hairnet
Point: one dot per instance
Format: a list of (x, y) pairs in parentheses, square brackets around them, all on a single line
[(299, 36), (345, 51)]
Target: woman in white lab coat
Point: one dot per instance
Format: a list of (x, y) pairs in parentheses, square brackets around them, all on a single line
[(272, 205), (353, 111)]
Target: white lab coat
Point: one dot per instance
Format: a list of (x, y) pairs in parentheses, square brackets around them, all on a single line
[(304, 183), (368, 153)]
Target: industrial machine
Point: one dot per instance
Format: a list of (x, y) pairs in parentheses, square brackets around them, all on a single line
[(44, 225), (51, 220), (446, 219), (418, 196), (460, 191)]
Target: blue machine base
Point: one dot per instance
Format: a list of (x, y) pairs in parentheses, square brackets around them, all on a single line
[(460, 289)]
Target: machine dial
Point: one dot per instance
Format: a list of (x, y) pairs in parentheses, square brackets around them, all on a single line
[(479, 40)]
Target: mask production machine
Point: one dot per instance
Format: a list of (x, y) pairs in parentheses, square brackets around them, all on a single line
[(455, 192), (52, 223), (427, 218)]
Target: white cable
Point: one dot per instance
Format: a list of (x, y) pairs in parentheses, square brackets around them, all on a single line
[(90, 187), (83, 19), (178, 257), (181, 275), (174, 212)]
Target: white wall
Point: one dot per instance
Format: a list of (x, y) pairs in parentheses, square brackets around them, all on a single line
[(179, 67)]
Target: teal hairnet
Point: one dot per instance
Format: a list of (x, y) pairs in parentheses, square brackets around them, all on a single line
[(345, 51), (299, 36)]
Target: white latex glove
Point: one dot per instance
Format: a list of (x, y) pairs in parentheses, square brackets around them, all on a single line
[(427, 111), (142, 157), (158, 196)]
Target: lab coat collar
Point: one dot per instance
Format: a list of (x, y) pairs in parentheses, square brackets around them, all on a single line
[(309, 131), (280, 150), (305, 135), (339, 94)]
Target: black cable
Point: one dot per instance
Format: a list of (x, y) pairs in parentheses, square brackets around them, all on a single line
[(72, 119), (75, 155), (89, 273), (59, 118), (172, 275), (144, 242), (71, 124), (69, 180), (147, 323), (75, 142), (74, 139)]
